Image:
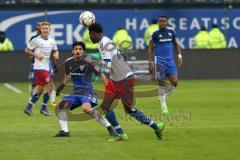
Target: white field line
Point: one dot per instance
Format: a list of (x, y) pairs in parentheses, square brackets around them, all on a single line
[(11, 87)]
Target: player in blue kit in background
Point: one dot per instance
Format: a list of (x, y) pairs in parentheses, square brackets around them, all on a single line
[(80, 68), (161, 50)]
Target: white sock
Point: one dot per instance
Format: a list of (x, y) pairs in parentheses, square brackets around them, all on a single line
[(162, 96), (62, 115), (169, 89), (53, 96), (95, 114), (64, 125)]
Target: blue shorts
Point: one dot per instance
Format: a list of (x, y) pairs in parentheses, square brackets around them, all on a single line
[(78, 99), (164, 68)]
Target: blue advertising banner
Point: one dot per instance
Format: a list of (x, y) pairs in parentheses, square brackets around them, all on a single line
[(66, 29)]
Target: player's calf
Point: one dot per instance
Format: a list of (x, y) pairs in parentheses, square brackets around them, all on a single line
[(44, 109), (62, 117), (87, 108), (140, 116), (28, 108)]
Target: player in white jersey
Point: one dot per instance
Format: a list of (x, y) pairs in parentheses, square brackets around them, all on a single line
[(42, 48), (33, 35), (120, 85)]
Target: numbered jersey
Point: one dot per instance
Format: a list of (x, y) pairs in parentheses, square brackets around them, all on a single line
[(45, 47), (114, 60)]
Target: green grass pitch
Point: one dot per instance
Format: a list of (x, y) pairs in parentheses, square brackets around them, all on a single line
[(204, 124)]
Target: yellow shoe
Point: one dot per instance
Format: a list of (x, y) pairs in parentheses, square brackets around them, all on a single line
[(54, 104)]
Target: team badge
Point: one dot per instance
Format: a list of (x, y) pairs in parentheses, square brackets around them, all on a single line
[(170, 34), (160, 36), (82, 67)]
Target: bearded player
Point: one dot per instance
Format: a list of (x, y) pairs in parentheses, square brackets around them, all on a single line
[(79, 69)]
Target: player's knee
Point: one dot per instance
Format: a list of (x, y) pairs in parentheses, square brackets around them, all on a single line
[(39, 92), (128, 109), (60, 105), (174, 84), (63, 105), (105, 108), (161, 83), (86, 107)]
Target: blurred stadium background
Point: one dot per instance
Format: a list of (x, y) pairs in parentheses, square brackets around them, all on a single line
[(207, 99), (18, 19)]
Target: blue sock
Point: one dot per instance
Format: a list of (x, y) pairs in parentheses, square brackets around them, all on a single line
[(141, 117), (33, 100), (45, 100), (112, 119)]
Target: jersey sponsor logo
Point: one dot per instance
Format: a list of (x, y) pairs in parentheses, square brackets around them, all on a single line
[(76, 74), (82, 67), (165, 40)]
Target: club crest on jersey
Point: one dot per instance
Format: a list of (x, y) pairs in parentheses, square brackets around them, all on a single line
[(82, 68), (160, 36), (170, 34)]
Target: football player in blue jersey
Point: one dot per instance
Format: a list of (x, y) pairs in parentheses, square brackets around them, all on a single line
[(80, 68), (161, 59)]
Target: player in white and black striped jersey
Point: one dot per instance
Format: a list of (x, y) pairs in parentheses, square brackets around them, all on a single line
[(121, 83)]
